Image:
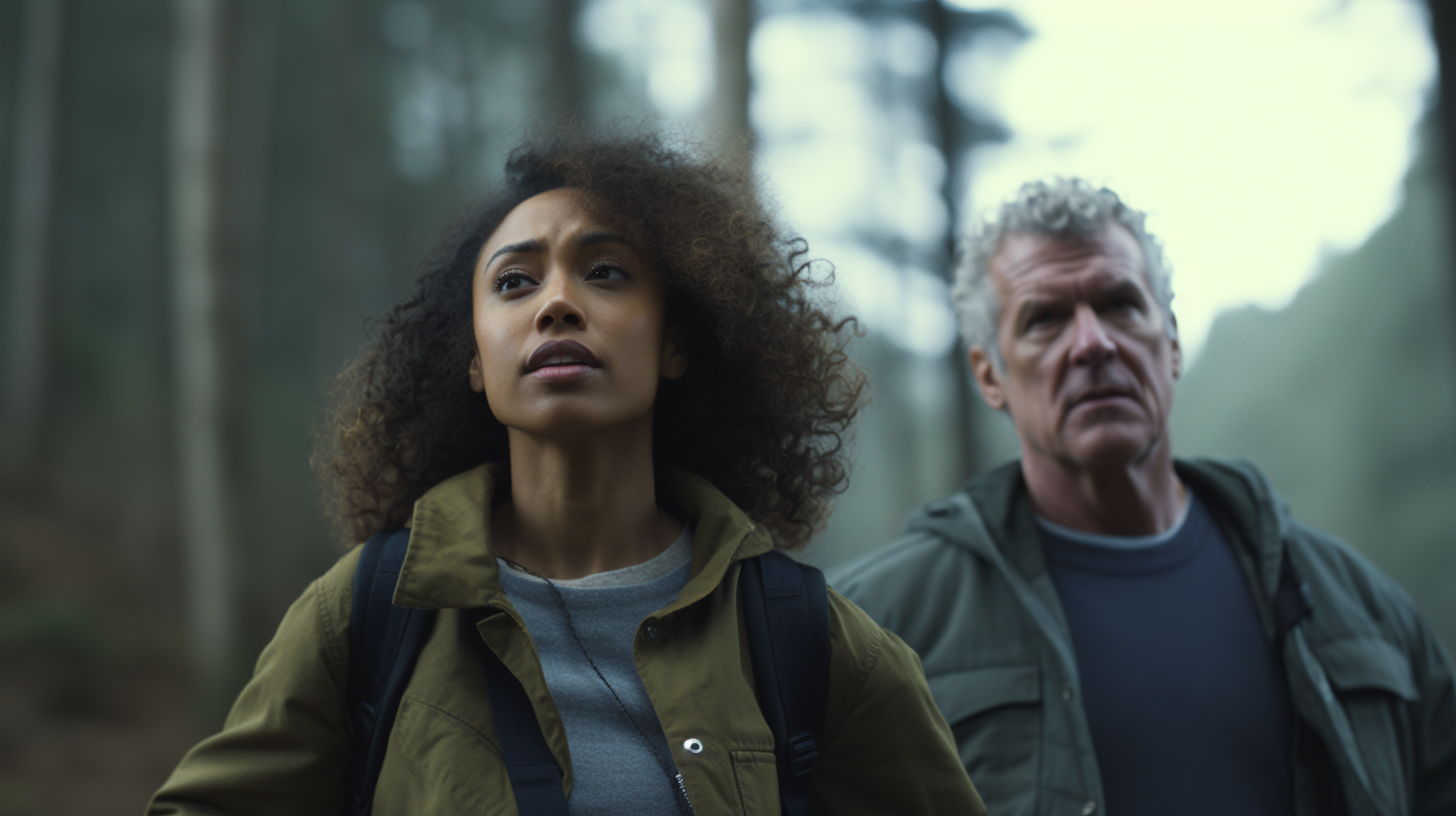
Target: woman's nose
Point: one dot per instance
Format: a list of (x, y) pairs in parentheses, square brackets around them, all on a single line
[(561, 308)]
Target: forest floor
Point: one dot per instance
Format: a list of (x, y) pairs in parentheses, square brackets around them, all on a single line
[(94, 700)]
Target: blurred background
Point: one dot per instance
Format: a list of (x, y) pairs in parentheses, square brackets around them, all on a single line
[(202, 201)]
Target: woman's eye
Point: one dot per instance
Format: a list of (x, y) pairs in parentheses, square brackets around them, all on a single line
[(607, 271), (510, 281)]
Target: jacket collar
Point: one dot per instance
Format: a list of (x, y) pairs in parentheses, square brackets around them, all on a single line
[(1005, 504), (450, 563), (1237, 493), (1244, 502)]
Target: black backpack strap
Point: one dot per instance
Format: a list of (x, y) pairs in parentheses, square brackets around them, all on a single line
[(786, 609), (535, 776), (384, 642)]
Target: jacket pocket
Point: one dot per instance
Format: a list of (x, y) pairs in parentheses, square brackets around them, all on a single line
[(1373, 682), (757, 777), (437, 762), (1368, 663), (995, 713)]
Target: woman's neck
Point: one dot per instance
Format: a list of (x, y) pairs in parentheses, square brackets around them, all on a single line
[(580, 507)]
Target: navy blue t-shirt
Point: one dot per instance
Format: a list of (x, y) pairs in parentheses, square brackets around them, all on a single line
[(1184, 694)]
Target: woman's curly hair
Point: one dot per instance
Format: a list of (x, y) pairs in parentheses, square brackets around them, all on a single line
[(761, 412)]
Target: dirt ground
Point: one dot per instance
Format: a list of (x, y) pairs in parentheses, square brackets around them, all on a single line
[(95, 706)]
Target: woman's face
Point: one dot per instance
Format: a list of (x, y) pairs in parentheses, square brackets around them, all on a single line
[(569, 329)]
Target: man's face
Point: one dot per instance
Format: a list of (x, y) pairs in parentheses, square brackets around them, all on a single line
[(1089, 364)]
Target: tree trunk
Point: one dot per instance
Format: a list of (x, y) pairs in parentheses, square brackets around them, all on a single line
[(248, 71), (193, 162), (1443, 33), (949, 144), (563, 96), (727, 120), (30, 225)]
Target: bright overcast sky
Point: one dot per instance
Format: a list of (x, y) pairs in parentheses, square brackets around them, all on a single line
[(1256, 134)]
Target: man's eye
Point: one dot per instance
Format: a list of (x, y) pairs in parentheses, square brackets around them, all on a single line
[(1040, 319), (509, 281)]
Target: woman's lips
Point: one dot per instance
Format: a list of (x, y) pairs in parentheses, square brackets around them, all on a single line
[(561, 373), (561, 360)]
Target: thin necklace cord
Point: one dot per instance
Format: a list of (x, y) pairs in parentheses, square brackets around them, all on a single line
[(683, 800)]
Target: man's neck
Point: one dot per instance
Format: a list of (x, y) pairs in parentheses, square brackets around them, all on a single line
[(1138, 498)]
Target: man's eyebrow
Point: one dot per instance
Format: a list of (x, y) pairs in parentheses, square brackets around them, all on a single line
[(1124, 288), (1030, 305), (532, 245)]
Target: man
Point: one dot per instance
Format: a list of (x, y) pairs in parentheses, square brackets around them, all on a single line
[(1111, 630)]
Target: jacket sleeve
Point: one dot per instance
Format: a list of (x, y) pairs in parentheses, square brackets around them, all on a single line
[(1435, 727), (887, 749), (284, 748)]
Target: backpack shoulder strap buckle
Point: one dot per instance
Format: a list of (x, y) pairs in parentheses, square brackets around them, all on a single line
[(803, 753)]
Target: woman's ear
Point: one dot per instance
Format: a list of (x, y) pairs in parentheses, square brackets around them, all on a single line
[(477, 376), (674, 361)]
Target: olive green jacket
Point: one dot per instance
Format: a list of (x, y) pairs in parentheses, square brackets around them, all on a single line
[(285, 748), (968, 588)]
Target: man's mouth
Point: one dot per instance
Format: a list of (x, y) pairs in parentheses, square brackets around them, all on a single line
[(1096, 395), (561, 354)]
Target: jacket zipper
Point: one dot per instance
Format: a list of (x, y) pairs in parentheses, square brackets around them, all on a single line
[(683, 789)]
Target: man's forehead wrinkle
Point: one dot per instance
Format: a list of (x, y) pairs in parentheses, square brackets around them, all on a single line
[(1078, 283), (1072, 265)]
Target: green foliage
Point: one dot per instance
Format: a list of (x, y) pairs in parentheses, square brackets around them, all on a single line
[(57, 643), (52, 626)]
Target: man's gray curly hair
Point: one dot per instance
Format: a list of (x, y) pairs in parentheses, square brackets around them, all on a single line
[(1062, 208)]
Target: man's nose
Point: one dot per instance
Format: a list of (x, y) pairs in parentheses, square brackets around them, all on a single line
[(1091, 344), (562, 307)]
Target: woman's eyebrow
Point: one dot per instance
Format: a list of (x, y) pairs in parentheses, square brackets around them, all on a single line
[(535, 245), (602, 238), (532, 245)]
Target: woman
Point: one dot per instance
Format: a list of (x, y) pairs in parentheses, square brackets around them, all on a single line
[(615, 387)]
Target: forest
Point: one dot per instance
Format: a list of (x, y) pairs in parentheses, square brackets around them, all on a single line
[(206, 201)]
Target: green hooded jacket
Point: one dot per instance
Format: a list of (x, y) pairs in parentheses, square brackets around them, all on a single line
[(285, 748), (968, 589)]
